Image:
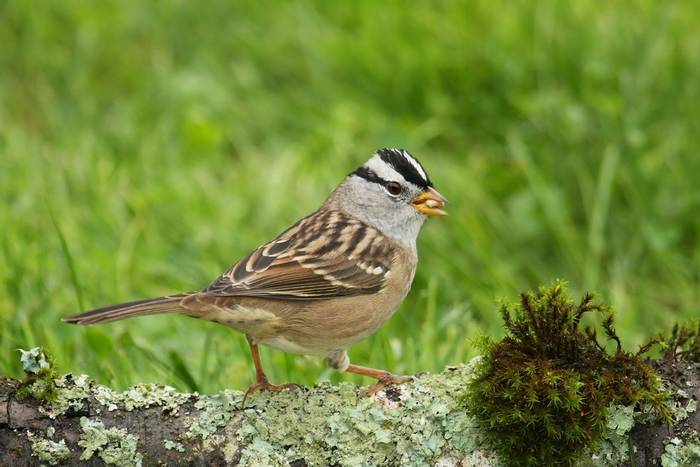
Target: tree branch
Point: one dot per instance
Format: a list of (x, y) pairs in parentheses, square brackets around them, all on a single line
[(420, 423)]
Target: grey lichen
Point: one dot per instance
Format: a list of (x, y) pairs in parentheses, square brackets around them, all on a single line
[(113, 445), (34, 360), (142, 396), (613, 448), (214, 413), (682, 406), (72, 392), (71, 395), (173, 445), (213, 423), (416, 424), (48, 450), (679, 453)]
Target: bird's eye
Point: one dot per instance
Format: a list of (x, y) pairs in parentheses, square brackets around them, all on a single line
[(393, 188)]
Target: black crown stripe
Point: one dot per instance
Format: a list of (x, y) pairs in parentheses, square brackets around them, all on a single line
[(369, 175), (399, 160)]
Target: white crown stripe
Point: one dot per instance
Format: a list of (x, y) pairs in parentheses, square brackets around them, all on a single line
[(415, 165)]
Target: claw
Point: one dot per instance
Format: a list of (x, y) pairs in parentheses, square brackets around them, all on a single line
[(266, 386), (261, 383), (385, 380)]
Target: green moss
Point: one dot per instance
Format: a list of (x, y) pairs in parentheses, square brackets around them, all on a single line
[(48, 450), (40, 373), (114, 445), (683, 343), (541, 394)]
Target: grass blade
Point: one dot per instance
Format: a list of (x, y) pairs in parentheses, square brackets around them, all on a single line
[(69, 260)]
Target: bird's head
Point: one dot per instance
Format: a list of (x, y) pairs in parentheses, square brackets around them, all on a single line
[(393, 192)]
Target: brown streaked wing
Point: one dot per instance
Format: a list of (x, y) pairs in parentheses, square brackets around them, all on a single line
[(327, 254)]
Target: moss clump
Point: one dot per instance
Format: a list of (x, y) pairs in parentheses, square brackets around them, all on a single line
[(38, 365), (683, 344), (540, 394)]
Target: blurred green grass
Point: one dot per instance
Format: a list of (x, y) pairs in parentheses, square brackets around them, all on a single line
[(144, 147)]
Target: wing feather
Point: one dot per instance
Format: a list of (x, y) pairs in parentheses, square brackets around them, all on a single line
[(328, 254)]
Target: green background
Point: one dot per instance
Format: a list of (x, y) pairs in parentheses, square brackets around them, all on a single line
[(146, 146)]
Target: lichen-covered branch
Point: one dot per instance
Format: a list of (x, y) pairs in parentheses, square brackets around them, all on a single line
[(420, 423)]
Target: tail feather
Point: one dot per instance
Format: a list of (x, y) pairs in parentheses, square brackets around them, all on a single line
[(149, 306)]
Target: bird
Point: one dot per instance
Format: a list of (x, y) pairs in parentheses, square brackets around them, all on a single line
[(327, 282)]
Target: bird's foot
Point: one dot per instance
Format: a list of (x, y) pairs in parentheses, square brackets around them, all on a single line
[(264, 385), (387, 379)]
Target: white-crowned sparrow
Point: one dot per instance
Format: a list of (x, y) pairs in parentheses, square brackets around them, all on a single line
[(325, 283)]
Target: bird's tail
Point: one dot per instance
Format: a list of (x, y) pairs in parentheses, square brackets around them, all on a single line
[(149, 306)]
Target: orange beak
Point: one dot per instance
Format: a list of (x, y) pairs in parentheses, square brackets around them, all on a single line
[(429, 203)]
